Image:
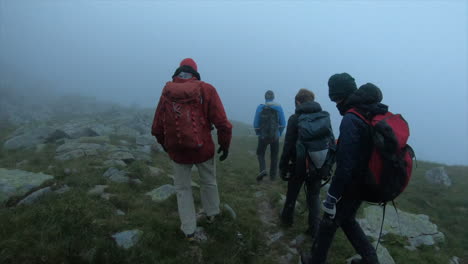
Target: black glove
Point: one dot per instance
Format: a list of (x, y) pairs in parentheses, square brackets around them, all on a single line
[(164, 148), (225, 153)]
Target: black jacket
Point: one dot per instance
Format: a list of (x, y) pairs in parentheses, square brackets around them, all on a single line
[(288, 156), (354, 145)]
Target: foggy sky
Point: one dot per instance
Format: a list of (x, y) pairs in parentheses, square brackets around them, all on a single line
[(124, 51)]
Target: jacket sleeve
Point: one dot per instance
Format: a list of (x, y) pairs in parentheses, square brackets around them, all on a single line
[(282, 120), (217, 116), (348, 154), (289, 147), (157, 129), (256, 123)]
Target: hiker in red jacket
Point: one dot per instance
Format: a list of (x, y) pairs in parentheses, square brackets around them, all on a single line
[(187, 110)]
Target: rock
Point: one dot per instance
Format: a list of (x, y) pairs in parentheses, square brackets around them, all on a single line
[(31, 198), (119, 212), (417, 228), (155, 172), (126, 131), (259, 194), (454, 260), (127, 157), (22, 163), (136, 181), (144, 149), (156, 148), (162, 193), (274, 237), (56, 135), (116, 175), (28, 138), (84, 132), (298, 240), (145, 140), (127, 239), (382, 253), (229, 209), (63, 189), (438, 176), (107, 196), (19, 182), (74, 150), (143, 157), (40, 147), (200, 234), (113, 163), (97, 140), (97, 190)]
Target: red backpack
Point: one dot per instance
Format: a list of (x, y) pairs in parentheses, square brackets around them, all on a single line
[(391, 160), (183, 115)]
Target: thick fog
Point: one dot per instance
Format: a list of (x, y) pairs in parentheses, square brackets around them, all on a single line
[(125, 51)]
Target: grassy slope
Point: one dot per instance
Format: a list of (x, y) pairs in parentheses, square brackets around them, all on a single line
[(69, 227)]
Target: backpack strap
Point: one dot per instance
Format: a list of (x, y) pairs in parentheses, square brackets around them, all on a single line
[(361, 116)]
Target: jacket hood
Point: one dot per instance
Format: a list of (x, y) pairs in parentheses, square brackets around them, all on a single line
[(308, 107)]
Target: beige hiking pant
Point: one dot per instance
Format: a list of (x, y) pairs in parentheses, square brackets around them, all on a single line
[(208, 192)]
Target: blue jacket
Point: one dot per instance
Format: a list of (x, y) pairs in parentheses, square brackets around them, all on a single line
[(277, 107)]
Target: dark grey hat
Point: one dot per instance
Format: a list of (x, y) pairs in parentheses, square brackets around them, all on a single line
[(269, 95), (340, 86)]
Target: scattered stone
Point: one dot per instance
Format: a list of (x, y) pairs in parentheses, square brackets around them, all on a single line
[(298, 240), (162, 193), (382, 254), (142, 156), (28, 138), (84, 132), (107, 196), (22, 163), (115, 175), (136, 181), (63, 189), (155, 172), (112, 163), (19, 182), (40, 147), (119, 212), (74, 150), (145, 140), (97, 140), (229, 209), (31, 198), (97, 190), (200, 234), (127, 157), (259, 194), (438, 175), (127, 239), (274, 237), (56, 135), (454, 260), (417, 228), (67, 171)]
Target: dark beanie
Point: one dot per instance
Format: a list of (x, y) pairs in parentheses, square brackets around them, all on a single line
[(370, 93), (340, 86), (269, 95)]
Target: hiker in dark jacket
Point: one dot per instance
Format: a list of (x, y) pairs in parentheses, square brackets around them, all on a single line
[(353, 153), (293, 161), (261, 128)]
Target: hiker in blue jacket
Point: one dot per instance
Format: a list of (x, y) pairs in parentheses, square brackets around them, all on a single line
[(353, 153), (269, 123)]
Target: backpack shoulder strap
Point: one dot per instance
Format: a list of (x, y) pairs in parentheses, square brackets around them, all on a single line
[(356, 112)]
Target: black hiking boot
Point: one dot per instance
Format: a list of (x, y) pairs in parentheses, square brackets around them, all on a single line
[(261, 175)]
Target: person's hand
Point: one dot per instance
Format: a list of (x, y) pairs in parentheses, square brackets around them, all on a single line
[(329, 206), (224, 155)]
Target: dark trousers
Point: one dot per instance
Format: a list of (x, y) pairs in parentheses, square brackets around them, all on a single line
[(274, 152), (312, 183), (346, 219)]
